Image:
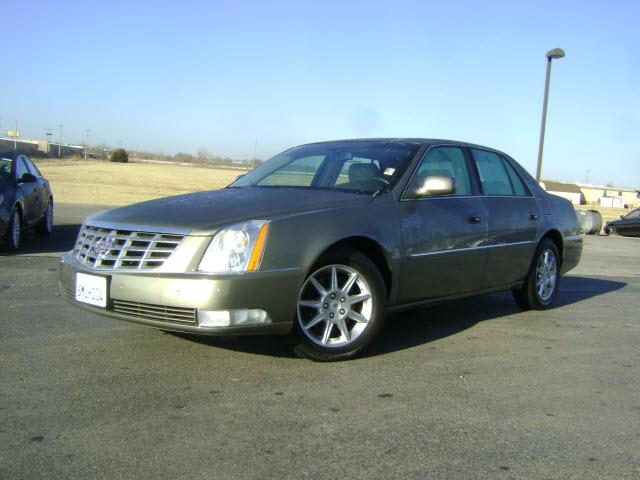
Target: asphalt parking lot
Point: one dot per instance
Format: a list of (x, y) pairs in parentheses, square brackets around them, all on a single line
[(475, 388)]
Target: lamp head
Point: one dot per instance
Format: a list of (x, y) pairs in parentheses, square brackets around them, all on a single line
[(555, 53)]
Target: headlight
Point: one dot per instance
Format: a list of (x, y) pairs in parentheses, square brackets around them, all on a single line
[(236, 249)]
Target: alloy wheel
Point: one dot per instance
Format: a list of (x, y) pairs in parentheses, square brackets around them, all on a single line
[(335, 306), (15, 229), (49, 218), (546, 275)]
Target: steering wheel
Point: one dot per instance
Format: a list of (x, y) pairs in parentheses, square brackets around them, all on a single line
[(379, 179)]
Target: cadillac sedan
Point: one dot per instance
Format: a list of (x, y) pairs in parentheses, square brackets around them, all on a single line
[(321, 241)]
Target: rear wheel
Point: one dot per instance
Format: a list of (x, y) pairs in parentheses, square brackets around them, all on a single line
[(540, 287), (15, 230), (341, 307)]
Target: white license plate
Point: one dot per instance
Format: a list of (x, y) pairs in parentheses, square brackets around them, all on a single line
[(91, 289)]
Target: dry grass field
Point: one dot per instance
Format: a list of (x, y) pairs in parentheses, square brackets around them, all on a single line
[(104, 183)]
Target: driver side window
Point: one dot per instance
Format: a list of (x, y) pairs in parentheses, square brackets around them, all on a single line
[(21, 168), (444, 162)]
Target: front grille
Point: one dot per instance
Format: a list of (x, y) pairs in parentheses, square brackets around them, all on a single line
[(162, 313), (105, 248)]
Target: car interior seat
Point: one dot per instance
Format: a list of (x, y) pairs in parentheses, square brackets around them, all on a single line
[(361, 172)]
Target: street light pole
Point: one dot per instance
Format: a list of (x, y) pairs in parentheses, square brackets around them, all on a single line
[(60, 142), (86, 142), (551, 54)]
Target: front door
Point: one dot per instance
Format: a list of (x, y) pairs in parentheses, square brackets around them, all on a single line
[(28, 192), (443, 235)]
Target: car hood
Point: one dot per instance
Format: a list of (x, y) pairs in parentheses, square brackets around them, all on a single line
[(202, 213)]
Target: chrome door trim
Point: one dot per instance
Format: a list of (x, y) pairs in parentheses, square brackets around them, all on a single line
[(469, 249), (574, 238)]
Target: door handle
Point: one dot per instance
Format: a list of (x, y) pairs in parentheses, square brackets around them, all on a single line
[(473, 218), (533, 216)]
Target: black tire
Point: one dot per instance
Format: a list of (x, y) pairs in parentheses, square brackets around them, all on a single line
[(355, 335), (45, 226), (14, 233), (528, 296)]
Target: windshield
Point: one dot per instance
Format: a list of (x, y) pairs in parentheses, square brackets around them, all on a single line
[(5, 168), (362, 167)]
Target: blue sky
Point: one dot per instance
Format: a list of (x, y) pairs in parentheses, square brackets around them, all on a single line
[(177, 76)]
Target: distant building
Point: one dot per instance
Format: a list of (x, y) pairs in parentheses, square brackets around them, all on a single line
[(587, 194), (570, 191), (40, 148), (610, 196)]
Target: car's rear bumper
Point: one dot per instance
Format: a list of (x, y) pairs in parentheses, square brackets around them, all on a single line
[(172, 301), (572, 251)]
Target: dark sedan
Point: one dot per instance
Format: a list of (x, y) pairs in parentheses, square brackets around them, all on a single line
[(323, 240), (26, 200), (627, 226)]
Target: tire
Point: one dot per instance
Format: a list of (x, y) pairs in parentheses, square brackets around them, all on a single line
[(15, 230), (45, 227), (341, 307), (541, 284)]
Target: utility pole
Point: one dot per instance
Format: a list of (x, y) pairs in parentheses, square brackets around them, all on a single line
[(253, 162), (15, 138), (60, 142), (586, 179), (86, 142)]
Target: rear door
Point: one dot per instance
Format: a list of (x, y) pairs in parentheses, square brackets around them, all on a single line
[(514, 219), (442, 235)]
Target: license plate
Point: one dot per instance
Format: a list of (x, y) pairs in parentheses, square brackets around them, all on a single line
[(91, 289)]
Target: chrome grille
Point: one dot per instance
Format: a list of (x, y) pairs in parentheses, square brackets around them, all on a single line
[(111, 249), (163, 313)]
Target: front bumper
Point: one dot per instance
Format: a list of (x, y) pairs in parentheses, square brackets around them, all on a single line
[(166, 300)]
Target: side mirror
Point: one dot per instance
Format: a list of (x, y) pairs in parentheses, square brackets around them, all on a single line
[(622, 217), (435, 185), (28, 178)]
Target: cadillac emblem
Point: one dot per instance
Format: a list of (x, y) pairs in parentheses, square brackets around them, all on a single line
[(103, 246)]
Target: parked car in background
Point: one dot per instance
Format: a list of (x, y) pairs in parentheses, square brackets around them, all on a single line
[(323, 240), (627, 226), (26, 200)]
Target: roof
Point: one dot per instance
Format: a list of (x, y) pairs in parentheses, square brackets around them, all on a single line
[(552, 186), (417, 141)]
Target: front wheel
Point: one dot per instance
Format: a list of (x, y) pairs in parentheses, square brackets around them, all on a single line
[(540, 287), (15, 230), (45, 227), (341, 307)]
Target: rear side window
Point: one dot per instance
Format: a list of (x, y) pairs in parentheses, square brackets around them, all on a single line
[(497, 176), (518, 187), (444, 162)]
